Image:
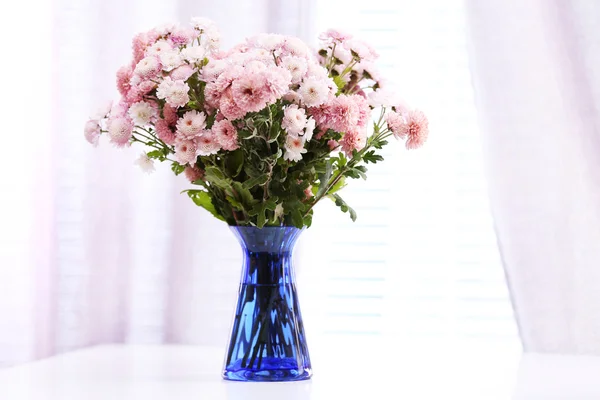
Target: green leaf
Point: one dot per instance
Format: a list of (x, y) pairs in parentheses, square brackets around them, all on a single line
[(235, 204), (260, 210), (342, 160), (343, 206), (338, 186), (215, 176), (371, 157), (155, 154), (339, 82), (308, 220), (324, 179), (259, 180), (244, 195), (204, 200), (177, 168), (234, 162), (297, 219), (274, 132)]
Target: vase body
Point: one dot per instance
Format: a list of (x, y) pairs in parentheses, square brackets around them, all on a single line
[(267, 338)]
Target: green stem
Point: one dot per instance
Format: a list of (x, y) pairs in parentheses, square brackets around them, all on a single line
[(340, 172)]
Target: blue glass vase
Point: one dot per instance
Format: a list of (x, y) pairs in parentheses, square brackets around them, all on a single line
[(267, 338)]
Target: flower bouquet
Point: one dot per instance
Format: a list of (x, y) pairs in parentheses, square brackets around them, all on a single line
[(263, 132)]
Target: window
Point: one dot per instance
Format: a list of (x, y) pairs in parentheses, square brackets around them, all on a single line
[(421, 261)]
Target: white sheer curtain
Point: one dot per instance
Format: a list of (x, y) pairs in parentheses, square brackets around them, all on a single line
[(94, 251), (537, 81)]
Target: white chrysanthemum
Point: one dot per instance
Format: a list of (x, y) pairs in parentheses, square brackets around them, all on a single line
[(296, 47), (147, 67), (267, 41), (344, 55), (171, 59), (203, 24), (142, 113), (174, 92), (191, 124), (382, 98), (165, 28), (294, 119), (255, 66), (297, 67), (211, 41), (159, 47), (212, 70), (120, 130), (294, 148), (314, 92), (210, 38), (310, 129), (317, 71), (145, 163), (193, 53), (207, 144), (292, 97)]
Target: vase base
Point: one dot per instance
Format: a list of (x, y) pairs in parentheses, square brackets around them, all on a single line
[(272, 371)]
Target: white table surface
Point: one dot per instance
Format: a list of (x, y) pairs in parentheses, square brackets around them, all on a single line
[(172, 372)]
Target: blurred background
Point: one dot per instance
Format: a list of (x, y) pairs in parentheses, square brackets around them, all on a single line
[(94, 251)]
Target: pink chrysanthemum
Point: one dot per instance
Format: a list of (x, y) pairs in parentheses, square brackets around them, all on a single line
[(145, 87), (120, 130), (207, 144), (175, 93), (191, 124), (164, 131), (363, 50), (277, 82), (395, 123), (134, 95), (294, 119), (297, 67), (182, 73), (141, 42), (181, 36), (170, 114), (186, 151), (228, 106), (364, 111), (226, 135), (142, 113), (92, 132), (334, 36), (415, 128), (250, 92), (211, 71), (148, 68), (124, 75), (314, 91), (193, 174), (294, 46), (340, 114), (332, 144), (353, 140), (294, 148), (159, 47)]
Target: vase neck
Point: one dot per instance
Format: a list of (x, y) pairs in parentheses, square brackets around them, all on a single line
[(267, 254)]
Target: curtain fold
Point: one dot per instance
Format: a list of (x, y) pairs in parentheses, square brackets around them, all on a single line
[(537, 86), (110, 254)]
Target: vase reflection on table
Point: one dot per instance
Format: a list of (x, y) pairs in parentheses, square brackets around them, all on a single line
[(267, 341)]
